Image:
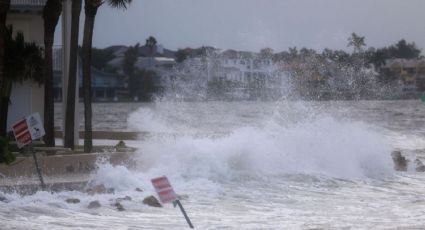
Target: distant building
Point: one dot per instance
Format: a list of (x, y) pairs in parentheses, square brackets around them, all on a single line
[(409, 72), (157, 59), (252, 75), (156, 51), (105, 86), (154, 63)]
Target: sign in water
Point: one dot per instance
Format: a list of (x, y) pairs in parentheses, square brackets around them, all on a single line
[(163, 188), (166, 195)]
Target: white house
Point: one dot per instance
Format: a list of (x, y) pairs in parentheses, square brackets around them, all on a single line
[(26, 17), (28, 97)]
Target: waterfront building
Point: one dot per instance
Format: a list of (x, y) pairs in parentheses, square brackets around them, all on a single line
[(26, 97), (250, 75), (26, 16), (410, 73), (105, 86)]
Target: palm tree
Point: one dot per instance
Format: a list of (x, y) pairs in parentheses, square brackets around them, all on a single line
[(91, 7), (151, 43), (23, 61), (72, 78), (51, 13), (357, 42), (4, 7)]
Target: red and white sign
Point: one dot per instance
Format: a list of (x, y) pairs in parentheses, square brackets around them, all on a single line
[(21, 132), (28, 129), (163, 188)]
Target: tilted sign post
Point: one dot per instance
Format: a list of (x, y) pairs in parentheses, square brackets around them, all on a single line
[(27, 130), (166, 195)]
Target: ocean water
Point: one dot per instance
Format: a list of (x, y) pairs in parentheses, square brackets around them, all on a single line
[(251, 165)]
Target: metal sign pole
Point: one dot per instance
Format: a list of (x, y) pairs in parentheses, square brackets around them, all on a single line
[(27, 130), (177, 202), (40, 176), (166, 194)]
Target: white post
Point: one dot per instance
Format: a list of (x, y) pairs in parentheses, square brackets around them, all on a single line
[(66, 41)]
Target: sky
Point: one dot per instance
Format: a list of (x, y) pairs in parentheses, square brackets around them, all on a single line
[(255, 24)]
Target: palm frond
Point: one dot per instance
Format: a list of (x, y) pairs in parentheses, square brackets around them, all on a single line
[(119, 3), (23, 60)]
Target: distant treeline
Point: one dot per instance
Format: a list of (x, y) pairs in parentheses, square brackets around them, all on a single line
[(370, 55), (375, 56), (329, 73)]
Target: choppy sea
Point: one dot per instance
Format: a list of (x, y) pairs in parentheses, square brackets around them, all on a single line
[(250, 165)]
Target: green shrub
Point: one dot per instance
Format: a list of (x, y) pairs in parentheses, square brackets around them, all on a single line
[(6, 156)]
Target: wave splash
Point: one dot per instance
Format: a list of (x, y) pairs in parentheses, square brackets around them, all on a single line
[(320, 146)]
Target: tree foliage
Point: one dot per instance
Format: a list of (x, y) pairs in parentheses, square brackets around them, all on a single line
[(266, 52), (357, 42), (101, 57), (23, 61), (119, 4), (130, 58), (144, 84), (6, 156), (151, 44), (182, 54), (150, 41)]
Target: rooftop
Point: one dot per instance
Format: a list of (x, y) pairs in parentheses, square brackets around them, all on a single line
[(27, 5)]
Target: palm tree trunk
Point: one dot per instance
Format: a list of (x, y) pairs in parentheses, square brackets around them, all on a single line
[(5, 99), (91, 8), (4, 102), (51, 13), (72, 81), (4, 105)]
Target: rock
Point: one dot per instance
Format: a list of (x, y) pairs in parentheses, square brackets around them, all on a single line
[(152, 201), (420, 167), (3, 199), (139, 190), (94, 204), (100, 189), (400, 162), (121, 144), (70, 169), (126, 198), (119, 206), (72, 201)]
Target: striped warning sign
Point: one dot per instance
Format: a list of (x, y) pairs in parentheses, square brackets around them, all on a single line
[(164, 189)]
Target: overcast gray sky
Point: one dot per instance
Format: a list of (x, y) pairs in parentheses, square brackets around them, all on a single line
[(254, 24)]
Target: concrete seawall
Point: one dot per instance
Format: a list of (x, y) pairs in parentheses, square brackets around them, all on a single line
[(109, 135), (126, 135), (60, 172), (62, 164)]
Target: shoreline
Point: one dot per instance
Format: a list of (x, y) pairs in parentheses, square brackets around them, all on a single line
[(406, 98)]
